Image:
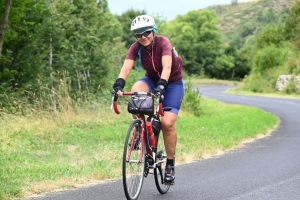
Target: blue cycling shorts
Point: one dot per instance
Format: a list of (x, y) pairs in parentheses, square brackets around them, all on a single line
[(173, 95)]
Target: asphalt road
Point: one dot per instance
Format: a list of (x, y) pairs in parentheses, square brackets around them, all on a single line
[(268, 168)]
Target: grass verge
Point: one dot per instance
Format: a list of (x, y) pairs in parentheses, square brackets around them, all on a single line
[(278, 95), (206, 81)]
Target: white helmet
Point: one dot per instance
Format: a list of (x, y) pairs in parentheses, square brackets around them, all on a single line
[(143, 23)]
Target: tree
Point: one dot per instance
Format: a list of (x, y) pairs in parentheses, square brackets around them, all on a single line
[(292, 25), (268, 58), (83, 33), (197, 39), (234, 2), (270, 16), (4, 24), (247, 29), (17, 66), (71, 37), (270, 35), (260, 15)]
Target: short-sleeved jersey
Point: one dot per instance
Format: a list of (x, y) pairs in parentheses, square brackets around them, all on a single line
[(152, 61)]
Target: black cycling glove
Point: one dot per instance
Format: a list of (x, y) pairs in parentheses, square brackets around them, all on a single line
[(161, 86), (119, 85)]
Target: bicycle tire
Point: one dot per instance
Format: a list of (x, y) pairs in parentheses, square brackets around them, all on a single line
[(159, 170), (132, 168)]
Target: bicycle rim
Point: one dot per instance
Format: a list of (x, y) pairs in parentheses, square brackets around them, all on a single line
[(159, 171), (133, 161)]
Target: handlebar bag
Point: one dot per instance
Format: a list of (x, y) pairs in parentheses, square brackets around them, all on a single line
[(141, 104)]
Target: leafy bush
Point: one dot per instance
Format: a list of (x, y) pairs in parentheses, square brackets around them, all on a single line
[(247, 29), (293, 66), (263, 83), (269, 57), (292, 23), (252, 83), (191, 99), (271, 35), (291, 87)]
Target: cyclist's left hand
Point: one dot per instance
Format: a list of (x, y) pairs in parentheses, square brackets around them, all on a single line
[(161, 86), (159, 89)]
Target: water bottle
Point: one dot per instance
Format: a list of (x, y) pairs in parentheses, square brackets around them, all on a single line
[(150, 134)]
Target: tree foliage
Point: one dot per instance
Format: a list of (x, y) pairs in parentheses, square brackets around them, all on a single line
[(271, 35), (292, 25), (4, 23), (272, 51), (70, 37), (83, 42), (269, 57), (199, 42), (247, 29)]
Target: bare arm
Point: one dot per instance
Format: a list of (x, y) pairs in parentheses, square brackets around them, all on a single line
[(167, 64), (125, 70)]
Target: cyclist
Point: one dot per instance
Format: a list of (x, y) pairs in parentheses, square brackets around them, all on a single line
[(163, 68)]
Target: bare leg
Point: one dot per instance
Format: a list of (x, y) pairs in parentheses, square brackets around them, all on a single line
[(170, 135), (140, 87), (167, 124)]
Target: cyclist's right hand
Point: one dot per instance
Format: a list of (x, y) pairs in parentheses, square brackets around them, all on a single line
[(118, 86)]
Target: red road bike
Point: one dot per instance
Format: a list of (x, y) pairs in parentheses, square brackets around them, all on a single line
[(140, 156)]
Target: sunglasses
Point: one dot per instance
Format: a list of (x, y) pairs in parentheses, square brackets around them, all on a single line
[(145, 34)]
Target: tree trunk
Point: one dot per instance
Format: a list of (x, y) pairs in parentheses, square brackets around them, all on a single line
[(233, 73), (4, 24)]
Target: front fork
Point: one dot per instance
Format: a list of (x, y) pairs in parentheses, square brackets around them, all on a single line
[(152, 154)]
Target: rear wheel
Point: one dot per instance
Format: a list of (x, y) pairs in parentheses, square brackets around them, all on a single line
[(133, 161), (159, 171)]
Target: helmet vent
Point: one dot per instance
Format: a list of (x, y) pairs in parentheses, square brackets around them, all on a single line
[(142, 22)]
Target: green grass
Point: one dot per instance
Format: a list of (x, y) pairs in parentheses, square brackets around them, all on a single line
[(41, 154), (204, 82), (207, 81), (220, 128), (273, 94)]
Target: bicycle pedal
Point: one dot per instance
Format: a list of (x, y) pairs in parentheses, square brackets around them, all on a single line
[(170, 183), (159, 155)]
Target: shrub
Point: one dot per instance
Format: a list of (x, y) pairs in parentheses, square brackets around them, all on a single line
[(271, 35), (191, 99), (263, 83), (291, 87), (247, 29), (269, 57), (293, 66)]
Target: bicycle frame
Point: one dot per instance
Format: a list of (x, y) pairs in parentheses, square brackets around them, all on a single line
[(144, 134)]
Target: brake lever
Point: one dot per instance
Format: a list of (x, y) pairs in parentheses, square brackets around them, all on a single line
[(113, 98), (112, 102)]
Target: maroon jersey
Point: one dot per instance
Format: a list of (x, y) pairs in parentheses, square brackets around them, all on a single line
[(152, 61)]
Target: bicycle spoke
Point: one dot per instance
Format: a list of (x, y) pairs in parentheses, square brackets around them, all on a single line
[(160, 167), (133, 162)]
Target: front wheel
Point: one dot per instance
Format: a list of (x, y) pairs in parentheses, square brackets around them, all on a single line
[(133, 161), (159, 171)]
